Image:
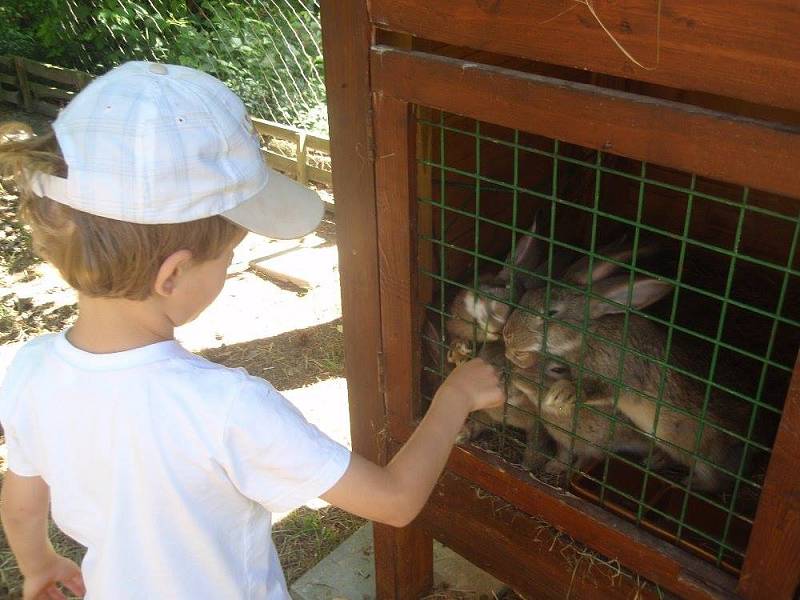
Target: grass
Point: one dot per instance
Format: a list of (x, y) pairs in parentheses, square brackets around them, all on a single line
[(290, 360), (306, 536)]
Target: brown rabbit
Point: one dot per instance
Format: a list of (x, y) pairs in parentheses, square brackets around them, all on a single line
[(478, 316), (675, 419), (597, 429)]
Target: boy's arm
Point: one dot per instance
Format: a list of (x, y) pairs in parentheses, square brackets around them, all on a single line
[(24, 508), (395, 494)]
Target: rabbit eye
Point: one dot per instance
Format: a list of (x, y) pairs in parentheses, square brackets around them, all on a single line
[(558, 370)]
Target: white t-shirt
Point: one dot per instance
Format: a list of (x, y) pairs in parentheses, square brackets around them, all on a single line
[(166, 466)]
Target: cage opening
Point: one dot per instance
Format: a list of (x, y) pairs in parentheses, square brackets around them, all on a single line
[(645, 321)]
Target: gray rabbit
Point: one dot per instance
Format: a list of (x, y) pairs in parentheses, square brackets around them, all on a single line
[(677, 420)]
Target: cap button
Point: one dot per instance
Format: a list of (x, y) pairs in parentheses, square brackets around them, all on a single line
[(158, 69)]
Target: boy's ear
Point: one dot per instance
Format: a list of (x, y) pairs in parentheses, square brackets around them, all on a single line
[(170, 271)]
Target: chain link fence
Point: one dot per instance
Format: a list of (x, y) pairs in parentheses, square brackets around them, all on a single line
[(268, 51)]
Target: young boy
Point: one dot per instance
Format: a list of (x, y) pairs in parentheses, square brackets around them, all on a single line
[(165, 466)]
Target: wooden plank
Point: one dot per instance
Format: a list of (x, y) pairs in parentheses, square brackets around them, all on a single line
[(53, 73), (772, 563), (518, 549), (24, 87), (403, 562), (319, 175), (271, 128), (410, 572), (747, 49), (318, 143), (655, 559), (6, 61), (745, 151), (280, 162), (8, 79), (46, 91), (637, 550), (349, 104), (302, 158), (403, 559), (12, 97), (394, 166), (45, 108)]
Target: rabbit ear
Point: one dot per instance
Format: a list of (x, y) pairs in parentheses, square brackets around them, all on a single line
[(528, 252), (620, 251), (644, 293)]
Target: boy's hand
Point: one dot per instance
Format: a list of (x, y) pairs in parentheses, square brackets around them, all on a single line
[(477, 383), (41, 583)]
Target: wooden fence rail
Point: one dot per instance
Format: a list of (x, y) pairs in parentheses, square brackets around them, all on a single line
[(45, 89)]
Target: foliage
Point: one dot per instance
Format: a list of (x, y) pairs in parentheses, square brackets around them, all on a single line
[(267, 51)]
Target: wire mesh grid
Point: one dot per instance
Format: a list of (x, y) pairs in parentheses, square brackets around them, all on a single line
[(267, 51), (645, 321)]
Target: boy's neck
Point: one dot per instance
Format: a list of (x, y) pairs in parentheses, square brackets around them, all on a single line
[(114, 325)]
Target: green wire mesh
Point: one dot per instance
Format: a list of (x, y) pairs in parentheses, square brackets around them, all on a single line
[(731, 257), (268, 51)]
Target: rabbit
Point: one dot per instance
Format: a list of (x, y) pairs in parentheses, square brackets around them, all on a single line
[(674, 420), (593, 432), (479, 315)]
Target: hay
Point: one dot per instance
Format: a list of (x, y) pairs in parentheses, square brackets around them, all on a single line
[(589, 4), (580, 560)]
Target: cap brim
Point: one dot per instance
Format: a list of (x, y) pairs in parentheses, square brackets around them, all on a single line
[(284, 209)]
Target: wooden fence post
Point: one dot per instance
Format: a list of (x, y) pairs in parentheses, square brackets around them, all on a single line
[(302, 165), (24, 85)]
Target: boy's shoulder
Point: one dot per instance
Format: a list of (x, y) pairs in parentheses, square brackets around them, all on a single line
[(16, 354)]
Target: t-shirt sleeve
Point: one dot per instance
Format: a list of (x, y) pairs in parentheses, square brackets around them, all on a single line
[(273, 455), (16, 459), (14, 364)]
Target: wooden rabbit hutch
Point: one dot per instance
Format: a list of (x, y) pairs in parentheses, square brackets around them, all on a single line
[(658, 140)]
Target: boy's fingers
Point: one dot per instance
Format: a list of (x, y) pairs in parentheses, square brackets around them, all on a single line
[(54, 593), (75, 585)]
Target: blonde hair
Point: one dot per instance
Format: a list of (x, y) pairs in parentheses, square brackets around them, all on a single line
[(98, 256)]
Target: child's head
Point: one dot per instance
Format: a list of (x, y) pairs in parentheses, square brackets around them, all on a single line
[(150, 168)]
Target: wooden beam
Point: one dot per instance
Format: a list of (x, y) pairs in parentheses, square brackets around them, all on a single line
[(349, 107), (772, 563), (403, 557), (733, 149), (53, 73), (747, 49), (395, 167), (520, 550), (24, 86), (405, 568), (47, 91), (641, 552)]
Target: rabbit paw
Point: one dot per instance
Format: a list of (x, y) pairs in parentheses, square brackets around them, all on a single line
[(469, 432), (555, 467), (560, 393), (459, 352), (464, 436)]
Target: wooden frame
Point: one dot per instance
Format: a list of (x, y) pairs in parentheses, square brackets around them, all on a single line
[(748, 152), (747, 49)]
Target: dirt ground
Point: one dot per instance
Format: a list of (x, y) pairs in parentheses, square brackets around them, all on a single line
[(289, 335)]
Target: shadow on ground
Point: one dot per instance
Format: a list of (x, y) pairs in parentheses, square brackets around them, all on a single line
[(290, 360)]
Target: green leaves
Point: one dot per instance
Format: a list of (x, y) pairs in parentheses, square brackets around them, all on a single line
[(268, 51)]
